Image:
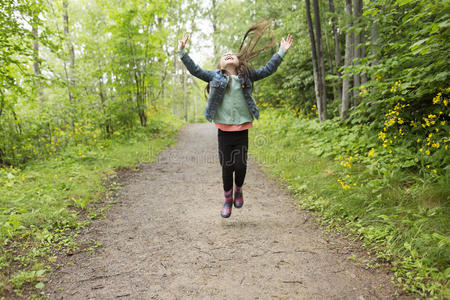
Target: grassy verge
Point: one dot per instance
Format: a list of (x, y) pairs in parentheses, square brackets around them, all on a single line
[(402, 216), (43, 204)]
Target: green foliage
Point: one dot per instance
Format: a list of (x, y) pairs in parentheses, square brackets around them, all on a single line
[(15, 47), (347, 176), (50, 97), (412, 60)]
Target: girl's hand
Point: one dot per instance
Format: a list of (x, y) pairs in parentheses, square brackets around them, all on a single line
[(286, 44), (182, 42)]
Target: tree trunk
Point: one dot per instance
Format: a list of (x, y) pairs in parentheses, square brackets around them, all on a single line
[(347, 61), (2, 102), (314, 53), (373, 46), (108, 127), (214, 24), (363, 55), (330, 58), (69, 42), (321, 74), (185, 105), (19, 127), (36, 62), (357, 12), (140, 100), (69, 72), (195, 109), (374, 42), (173, 90), (317, 59), (337, 51)]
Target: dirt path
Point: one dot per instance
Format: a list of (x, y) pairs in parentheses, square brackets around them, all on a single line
[(165, 239)]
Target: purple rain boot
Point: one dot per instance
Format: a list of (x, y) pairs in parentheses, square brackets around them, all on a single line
[(226, 209)]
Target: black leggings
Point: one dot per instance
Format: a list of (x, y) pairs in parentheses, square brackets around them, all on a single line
[(233, 147)]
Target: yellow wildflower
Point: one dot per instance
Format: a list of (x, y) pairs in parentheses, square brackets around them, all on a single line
[(436, 145)]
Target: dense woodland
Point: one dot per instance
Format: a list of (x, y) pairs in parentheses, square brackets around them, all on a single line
[(367, 80)]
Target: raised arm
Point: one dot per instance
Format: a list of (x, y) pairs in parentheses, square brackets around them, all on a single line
[(192, 67), (274, 62)]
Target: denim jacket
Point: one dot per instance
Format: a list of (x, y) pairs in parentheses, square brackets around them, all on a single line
[(218, 82)]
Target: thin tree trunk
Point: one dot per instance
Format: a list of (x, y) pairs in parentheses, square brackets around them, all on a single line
[(69, 73), (330, 59), (185, 113), (214, 24), (347, 61), (162, 92), (175, 66), (337, 51), (108, 129), (2, 102), (374, 42), (195, 109), (363, 55), (373, 46), (357, 12), (321, 66), (140, 100), (36, 62), (66, 33), (314, 54), (2, 105), (16, 119)]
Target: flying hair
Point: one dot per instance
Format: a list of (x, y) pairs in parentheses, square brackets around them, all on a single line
[(257, 40), (248, 49)]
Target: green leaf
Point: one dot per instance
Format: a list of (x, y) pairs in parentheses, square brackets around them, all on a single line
[(447, 273), (418, 44), (39, 285), (403, 2)]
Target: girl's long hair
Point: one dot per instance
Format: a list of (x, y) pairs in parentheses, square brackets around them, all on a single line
[(258, 33), (250, 46)]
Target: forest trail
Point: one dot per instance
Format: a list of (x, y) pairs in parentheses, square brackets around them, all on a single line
[(165, 239)]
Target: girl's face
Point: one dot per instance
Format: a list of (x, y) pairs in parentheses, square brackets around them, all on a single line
[(229, 59)]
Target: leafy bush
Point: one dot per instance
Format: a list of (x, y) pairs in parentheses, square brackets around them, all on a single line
[(346, 175)]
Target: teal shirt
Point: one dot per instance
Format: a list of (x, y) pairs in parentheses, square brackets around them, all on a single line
[(233, 109)]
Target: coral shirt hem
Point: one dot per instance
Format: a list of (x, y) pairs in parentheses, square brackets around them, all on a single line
[(234, 127)]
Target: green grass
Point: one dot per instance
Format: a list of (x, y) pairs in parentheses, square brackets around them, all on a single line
[(45, 203), (401, 217)]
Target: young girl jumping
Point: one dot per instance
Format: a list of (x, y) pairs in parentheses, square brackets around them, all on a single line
[(231, 105)]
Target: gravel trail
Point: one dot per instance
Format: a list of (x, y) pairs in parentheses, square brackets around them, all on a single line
[(165, 239)]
